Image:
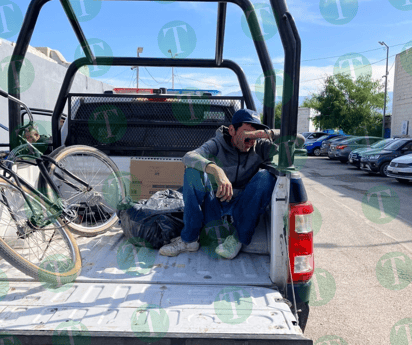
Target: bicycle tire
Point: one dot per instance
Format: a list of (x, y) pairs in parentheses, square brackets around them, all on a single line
[(19, 239), (74, 158)]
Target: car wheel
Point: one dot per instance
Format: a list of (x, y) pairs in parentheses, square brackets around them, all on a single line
[(383, 169), (316, 152), (402, 180)]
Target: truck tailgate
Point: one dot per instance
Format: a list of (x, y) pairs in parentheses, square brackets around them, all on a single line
[(190, 299)]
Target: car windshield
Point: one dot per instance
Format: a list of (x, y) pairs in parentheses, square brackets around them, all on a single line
[(323, 137), (306, 134), (381, 143), (395, 145)]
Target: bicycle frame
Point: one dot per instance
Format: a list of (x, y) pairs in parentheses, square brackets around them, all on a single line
[(56, 208)]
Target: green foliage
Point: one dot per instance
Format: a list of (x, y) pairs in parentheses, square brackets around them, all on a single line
[(350, 105), (278, 115)]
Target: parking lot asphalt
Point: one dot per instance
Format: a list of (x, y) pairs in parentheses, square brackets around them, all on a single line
[(362, 286)]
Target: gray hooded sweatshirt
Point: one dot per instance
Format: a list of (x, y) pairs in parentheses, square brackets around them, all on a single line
[(238, 166)]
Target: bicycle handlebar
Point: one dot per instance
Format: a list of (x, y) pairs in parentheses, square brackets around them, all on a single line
[(6, 95)]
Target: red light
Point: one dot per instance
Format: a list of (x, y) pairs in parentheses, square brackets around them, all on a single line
[(341, 147), (127, 90), (157, 99), (300, 244)]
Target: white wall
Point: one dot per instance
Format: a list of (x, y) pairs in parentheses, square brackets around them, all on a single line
[(305, 123), (402, 93), (303, 119), (43, 92)]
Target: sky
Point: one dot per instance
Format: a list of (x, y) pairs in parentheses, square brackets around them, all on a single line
[(338, 36)]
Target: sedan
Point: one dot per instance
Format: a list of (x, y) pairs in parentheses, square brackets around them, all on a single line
[(313, 147), (401, 168), (333, 144), (346, 147)]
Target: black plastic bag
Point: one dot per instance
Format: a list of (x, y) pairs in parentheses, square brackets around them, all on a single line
[(156, 220)]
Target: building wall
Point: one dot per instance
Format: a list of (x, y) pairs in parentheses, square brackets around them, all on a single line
[(402, 93), (47, 79), (305, 123)]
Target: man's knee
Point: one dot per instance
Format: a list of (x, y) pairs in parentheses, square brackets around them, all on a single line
[(266, 178)]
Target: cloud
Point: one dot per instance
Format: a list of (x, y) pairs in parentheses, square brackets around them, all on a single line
[(311, 79), (199, 7)]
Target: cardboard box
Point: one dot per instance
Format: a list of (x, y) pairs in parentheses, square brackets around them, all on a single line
[(151, 174)]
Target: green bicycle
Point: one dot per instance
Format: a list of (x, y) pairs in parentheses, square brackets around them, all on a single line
[(36, 223)]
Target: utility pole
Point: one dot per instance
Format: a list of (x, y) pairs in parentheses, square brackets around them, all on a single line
[(139, 50), (386, 87), (173, 74)]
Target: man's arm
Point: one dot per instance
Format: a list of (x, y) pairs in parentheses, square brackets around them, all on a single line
[(201, 157), (273, 135), (270, 147), (225, 189)]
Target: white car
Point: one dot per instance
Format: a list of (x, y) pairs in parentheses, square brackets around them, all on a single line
[(401, 168)]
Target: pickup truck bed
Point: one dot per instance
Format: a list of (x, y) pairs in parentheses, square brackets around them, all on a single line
[(203, 299)]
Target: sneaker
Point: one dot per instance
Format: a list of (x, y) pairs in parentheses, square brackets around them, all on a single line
[(230, 248), (177, 246)]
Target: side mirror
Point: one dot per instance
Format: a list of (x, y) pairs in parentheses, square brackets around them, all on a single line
[(300, 152)]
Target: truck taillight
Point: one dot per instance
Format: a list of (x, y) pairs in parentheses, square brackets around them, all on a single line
[(301, 241)]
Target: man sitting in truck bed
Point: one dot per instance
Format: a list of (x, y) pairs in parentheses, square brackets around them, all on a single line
[(232, 158)]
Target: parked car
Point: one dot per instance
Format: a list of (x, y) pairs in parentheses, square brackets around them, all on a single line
[(377, 161), (332, 148), (324, 148), (344, 148), (313, 147), (355, 155), (401, 168), (312, 136)]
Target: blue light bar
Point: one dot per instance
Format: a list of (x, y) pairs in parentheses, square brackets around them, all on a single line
[(196, 92)]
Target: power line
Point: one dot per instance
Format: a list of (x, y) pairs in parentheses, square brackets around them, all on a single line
[(155, 79), (131, 80), (107, 80), (373, 63), (205, 82), (331, 57)]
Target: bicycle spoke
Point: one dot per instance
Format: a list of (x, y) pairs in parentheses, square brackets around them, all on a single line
[(31, 243)]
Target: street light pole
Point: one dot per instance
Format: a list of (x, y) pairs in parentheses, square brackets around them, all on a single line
[(173, 75), (139, 50), (386, 87)]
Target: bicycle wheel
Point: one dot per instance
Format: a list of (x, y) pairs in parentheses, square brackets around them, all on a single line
[(48, 253), (96, 209)]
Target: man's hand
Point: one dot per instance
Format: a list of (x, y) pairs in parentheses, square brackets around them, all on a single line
[(252, 135), (224, 190)]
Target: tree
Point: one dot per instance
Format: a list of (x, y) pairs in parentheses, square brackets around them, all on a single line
[(350, 105), (278, 115)]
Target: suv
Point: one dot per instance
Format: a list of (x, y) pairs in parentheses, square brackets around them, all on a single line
[(355, 155), (378, 161)]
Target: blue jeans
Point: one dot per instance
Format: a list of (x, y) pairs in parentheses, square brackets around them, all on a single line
[(202, 207)]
